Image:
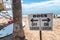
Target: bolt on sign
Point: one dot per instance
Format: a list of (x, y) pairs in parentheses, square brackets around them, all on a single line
[(40, 21)]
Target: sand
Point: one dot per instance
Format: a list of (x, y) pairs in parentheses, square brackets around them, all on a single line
[(46, 35)]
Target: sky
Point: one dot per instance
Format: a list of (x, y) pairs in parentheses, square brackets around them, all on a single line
[(38, 6), (33, 1)]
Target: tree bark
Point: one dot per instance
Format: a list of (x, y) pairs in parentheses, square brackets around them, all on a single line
[(18, 32)]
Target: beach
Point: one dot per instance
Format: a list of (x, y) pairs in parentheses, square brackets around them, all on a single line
[(46, 35)]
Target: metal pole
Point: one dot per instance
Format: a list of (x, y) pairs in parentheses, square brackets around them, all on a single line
[(40, 35), (18, 32)]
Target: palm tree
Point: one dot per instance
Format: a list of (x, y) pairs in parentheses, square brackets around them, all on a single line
[(18, 32)]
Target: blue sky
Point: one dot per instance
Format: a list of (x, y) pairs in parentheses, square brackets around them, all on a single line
[(39, 6), (33, 1)]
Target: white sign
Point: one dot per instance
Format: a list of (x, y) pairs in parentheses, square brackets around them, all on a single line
[(40, 21)]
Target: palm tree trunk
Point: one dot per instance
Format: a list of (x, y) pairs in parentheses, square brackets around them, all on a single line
[(18, 32)]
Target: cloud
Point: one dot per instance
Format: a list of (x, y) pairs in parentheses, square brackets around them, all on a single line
[(52, 6), (22, 1), (56, 0)]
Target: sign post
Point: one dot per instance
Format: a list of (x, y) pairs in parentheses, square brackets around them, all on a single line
[(40, 35), (41, 22)]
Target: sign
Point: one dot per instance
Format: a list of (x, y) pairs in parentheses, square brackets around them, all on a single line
[(40, 21)]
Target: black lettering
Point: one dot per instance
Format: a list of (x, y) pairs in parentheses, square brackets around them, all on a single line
[(34, 16)]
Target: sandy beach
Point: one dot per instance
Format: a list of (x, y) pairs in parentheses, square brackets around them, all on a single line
[(46, 35)]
